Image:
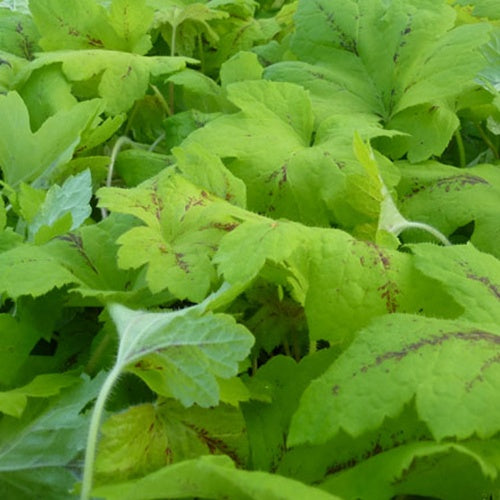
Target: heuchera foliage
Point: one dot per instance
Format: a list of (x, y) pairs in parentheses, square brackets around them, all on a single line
[(249, 249)]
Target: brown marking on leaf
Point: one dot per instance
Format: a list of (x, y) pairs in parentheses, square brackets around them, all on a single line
[(224, 226), (281, 173), (193, 201), (471, 336), (73, 31), (95, 42), (486, 281), (479, 378), (157, 201), (389, 290), (181, 263), (127, 74), (215, 445), (76, 242)]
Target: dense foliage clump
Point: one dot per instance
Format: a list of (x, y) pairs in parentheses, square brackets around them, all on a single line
[(249, 249)]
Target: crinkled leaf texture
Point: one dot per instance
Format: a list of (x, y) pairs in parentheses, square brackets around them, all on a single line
[(450, 369), (211, 477), (181, 353), (395, 61)]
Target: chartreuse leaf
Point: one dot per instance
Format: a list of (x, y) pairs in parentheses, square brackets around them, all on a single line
[(392, 61), (147, 437), (449, 368), (33, 157), (471, 277), (178, 353), (211, 477), (35, 449), (291, 179), (71, 200), (87, 24), (465, 196), (121, 77), (183, 227), (482, 8), (14, 402)]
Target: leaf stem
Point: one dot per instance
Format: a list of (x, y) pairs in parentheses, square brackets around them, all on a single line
[(487, 140), (95, 421), (461, 149), (114, 153), (396, 230)]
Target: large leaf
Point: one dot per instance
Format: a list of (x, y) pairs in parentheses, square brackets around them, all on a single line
[(450, 368), (392, 61)]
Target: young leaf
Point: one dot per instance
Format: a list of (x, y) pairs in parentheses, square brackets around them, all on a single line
[(450, 368), (180, 353), (72, 198)]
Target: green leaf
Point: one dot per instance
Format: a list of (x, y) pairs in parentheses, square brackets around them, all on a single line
[(14, 402), (367, 57), (72, 198), (30, 270), (163, 434), (211, 477), (449, 367), (33, 157), (183, 227), (18, 34), (121, 77), (86, 24), (446, 471), (50, 433), (471, 277), (16, 342), (180, 353), (449, 198), (283, 181)]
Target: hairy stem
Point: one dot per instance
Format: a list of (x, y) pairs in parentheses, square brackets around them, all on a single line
[(88, 471), (461, 149)]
